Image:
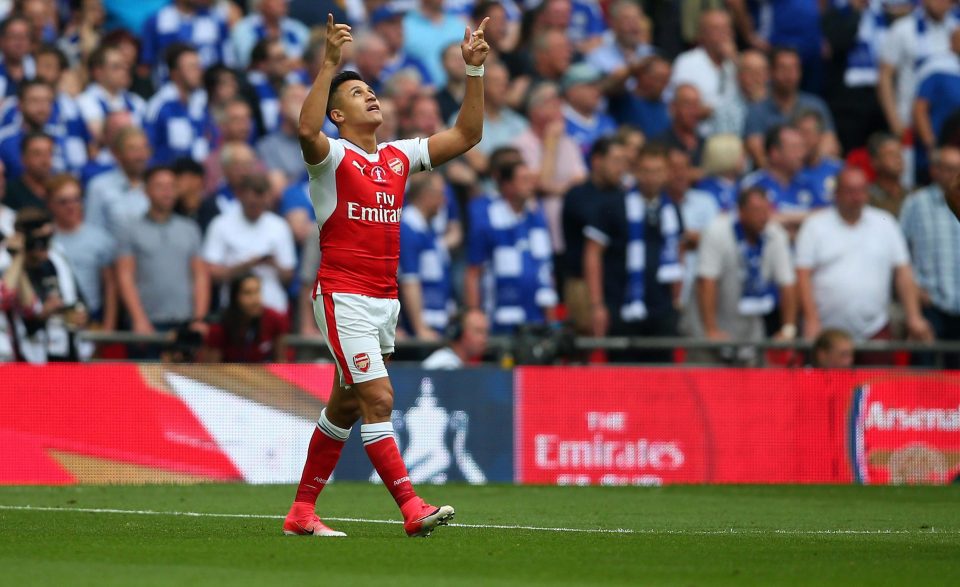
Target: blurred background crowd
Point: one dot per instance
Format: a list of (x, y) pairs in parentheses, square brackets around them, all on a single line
[(718, 169)]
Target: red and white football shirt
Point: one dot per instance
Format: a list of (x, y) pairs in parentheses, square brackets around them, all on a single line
[(358, 199)]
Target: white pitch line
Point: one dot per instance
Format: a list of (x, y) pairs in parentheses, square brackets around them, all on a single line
[(647, 531), (274, 517)]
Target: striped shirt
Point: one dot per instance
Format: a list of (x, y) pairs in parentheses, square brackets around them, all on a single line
[(424, 259), (933, 235), (515, 252)]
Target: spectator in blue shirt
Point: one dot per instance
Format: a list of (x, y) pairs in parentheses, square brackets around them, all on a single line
[(109, 92), (186, 21), (267, 75), (510, 255), (34, 112), (784, 103), (269, 21), (425, 287), (583, 116), (820, 169), (177, 120), (387, 23), (587, 24), (643, 107), (938, 97), (790, 191), (16, 64), (427, 31)]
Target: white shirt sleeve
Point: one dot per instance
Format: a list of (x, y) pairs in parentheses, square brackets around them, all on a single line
[(214, 246), (329, 164), (89, 107), (895, 50), (417, 153), (779, 243), (899, 252), (711, 250), (807, 244), (285, 251)]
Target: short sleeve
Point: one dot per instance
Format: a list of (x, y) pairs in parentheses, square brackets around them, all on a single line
[(409, 254), (899, 253), (599, 226), (194, 237), (477, 252), (90, 110), (125, 242), (214, 246), (329, 164), (286, 250), (806, 244), (710, 253), (417, 153), (893, 50), (783, 271), (928, 88), (754, 122)]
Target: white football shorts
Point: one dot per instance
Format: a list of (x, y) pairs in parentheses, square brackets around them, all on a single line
[(359, 331)]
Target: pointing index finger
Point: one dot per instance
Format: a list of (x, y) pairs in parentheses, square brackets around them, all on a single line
[(483, 25)]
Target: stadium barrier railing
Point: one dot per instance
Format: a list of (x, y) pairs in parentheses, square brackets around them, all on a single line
[(735, 352)]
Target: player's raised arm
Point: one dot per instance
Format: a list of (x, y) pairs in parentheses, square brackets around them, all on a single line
[(468, 129), (313, 142)]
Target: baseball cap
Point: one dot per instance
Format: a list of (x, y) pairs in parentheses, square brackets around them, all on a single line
[(580, 73), (386, 12)]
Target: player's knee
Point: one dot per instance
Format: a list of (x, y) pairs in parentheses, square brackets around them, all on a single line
[(377, 404)]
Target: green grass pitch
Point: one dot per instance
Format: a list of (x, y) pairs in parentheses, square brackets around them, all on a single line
[(702, 535)]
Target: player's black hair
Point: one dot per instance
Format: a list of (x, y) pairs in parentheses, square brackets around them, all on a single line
[(174, 52), (34, 136), (187, 166), (337, 81), (155, 170), (483, 9)]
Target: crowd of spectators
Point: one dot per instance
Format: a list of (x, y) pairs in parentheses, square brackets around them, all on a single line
[(722, 169)]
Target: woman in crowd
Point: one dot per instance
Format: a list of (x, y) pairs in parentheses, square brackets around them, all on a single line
[(247, 332)]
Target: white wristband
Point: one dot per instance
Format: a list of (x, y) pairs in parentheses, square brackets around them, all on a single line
[(474, 70)]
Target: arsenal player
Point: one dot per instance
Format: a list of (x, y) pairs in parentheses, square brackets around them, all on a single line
[(357, 187)]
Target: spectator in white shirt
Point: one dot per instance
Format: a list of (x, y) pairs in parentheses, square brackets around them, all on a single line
[(848, 256), (709, 66), (250, 238)]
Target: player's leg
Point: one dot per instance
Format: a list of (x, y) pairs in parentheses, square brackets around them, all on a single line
[(326, 444), (375, 394)]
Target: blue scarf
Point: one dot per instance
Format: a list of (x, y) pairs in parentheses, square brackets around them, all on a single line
[(862, 60), (669, 269), (759, 296)]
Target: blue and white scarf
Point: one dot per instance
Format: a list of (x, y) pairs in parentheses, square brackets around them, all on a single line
[(669, 269), (862, 67), (759, 296)]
